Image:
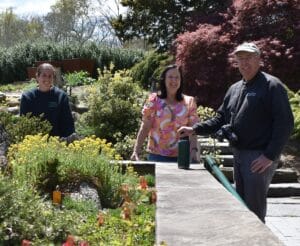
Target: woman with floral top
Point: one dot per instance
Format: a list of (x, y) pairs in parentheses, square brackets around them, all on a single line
[(163, 114)]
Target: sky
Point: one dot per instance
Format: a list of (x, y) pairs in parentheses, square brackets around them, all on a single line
[(29, 7)]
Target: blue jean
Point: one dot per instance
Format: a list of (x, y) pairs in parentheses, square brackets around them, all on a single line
[(252, 187), (161, 158)]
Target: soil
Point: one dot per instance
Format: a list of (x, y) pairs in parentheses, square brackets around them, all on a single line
[(291, 156)]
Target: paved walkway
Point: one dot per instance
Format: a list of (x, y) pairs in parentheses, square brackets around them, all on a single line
[(283, 218)]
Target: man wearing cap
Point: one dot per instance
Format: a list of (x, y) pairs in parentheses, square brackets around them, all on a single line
[(258, 112)]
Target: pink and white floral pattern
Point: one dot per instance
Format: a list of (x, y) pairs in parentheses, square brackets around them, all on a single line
[(166, 120)]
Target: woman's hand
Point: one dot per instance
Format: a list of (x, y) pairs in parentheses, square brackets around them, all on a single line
[(185, 131), (135, 156)]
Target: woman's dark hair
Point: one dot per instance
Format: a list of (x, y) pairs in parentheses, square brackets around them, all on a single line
[(162, 83)]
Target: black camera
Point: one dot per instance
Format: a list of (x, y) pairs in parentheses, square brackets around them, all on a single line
[(226, 132)]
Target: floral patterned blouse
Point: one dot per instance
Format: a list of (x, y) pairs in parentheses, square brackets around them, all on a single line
[(166, 120)]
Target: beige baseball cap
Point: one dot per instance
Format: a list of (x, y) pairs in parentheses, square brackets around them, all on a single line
[(247, 47)]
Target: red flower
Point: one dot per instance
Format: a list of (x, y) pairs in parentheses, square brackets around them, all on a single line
[(143, 183), (70, 241), (84, 243), (25, 242)]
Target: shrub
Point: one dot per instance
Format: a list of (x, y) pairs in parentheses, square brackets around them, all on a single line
[(19, 86), (114, 103), (149, 69), (205, 113), (44, 162), (294, 99), (25, 215), (15, 60), (18, 127), (124, 146), (78, 78)]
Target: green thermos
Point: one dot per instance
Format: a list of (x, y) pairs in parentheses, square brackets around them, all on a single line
[(183, 158)]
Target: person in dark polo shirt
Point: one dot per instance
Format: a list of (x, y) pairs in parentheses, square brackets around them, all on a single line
[(258, 120), (50, 101)]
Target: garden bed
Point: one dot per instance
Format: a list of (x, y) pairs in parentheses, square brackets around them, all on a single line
[(40, 167)]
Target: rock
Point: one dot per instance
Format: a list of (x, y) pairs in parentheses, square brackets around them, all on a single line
[(13, 110), (2, 97), (86, 192), (3, 108), (12, 101), (80, 108), (3, 162)]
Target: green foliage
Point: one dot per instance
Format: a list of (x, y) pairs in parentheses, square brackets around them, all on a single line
[(78, 78), (25, 215), (150, 68), (44, 162), (159, 22), (294, 99), (35, 219), (18, 127), (19, 86), (15, 60), (116, 231), (150, 180), (205, 113), (81, 206), (124, 146), (114, 103)]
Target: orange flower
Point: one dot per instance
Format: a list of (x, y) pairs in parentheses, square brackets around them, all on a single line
[(124, 192), (143, 183), (126, 213), (100, 219)]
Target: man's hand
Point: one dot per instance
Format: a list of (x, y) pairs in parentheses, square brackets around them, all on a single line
[(185, 131), (260, 164)]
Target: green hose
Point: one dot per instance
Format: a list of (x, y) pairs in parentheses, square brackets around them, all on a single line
[(221, 177)]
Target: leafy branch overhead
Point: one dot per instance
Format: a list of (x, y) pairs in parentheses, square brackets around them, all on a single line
[(159, 22)]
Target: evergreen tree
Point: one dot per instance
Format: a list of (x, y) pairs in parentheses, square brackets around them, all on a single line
[(160, 21)]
